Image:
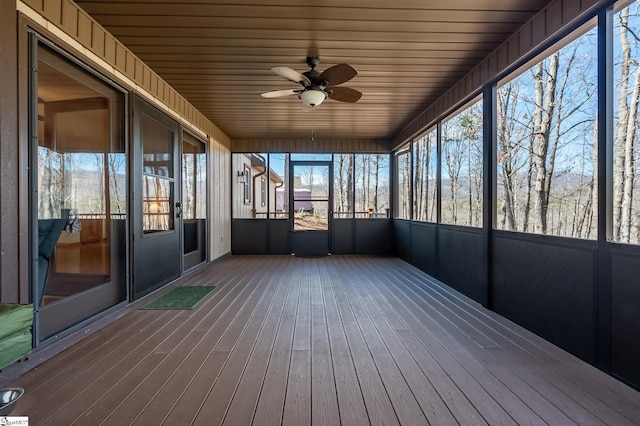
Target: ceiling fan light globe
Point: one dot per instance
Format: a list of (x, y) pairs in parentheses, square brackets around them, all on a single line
[(313, 97)]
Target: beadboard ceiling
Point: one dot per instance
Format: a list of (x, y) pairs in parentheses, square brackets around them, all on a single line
[(218, 55)]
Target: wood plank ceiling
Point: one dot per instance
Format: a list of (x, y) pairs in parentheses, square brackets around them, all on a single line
[(218, 55)]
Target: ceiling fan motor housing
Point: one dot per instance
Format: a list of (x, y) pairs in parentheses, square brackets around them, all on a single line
[(313, 73), (318, 86), (313, 61)]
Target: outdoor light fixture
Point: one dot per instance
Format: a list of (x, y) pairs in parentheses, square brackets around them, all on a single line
[(313, 97)]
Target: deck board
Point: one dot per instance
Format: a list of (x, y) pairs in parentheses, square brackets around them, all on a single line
[(351, 340), (324, 407)]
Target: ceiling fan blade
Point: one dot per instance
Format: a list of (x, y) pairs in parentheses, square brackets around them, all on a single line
[(344, 94), (337, 74), (292, 75), (280, 93)]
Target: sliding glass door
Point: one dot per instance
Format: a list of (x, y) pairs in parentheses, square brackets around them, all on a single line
[(79, 186)]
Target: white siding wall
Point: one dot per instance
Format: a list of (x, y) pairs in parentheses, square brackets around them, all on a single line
[(219, 202), (240, 209)]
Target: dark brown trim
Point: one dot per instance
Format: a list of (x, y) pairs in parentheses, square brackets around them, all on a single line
[(9, 188), (305, 145)]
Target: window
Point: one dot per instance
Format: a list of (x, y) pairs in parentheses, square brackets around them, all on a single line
[(278, 186), (246, 182), (626, 142), (243, 170), (343, 186), (371, 185), (546, 144), (194, 200), (403, 188), (425, 157), (259, 186), (462, 167), (194, 178)]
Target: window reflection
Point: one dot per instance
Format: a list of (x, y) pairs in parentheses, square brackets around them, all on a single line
[(81, 173), (157, 199), (157, 182)]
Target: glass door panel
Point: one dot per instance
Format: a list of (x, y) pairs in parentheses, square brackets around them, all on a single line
[(194, 200), (157, 221), (80, 169), (310, 206)]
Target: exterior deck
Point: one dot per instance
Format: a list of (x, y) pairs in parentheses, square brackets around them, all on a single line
[(333, 340)]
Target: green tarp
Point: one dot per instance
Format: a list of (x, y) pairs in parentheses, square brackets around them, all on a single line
[(15, 332)]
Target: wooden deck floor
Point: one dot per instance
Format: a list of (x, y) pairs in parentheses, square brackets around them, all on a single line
[(336, 340)]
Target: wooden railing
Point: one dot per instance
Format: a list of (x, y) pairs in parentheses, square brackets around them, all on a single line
[(369, 214)]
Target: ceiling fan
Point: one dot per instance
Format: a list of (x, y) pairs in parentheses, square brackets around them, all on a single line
[(316, 85)]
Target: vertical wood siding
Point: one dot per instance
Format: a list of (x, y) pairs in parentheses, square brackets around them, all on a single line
[(74, 22)]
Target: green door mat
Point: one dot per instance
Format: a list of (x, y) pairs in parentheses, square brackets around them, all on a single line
[(186, 297)]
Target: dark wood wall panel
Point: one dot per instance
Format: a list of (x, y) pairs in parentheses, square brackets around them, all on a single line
[(454, 255), (548, 288), (402, 239), (261, 236), (342, 235), (424, 247), (546, 284), (279, 237), (625, 318), (460, 260), (249, 236), (373, 236)]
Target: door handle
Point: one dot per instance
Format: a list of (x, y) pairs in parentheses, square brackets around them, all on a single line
[(178, 209)]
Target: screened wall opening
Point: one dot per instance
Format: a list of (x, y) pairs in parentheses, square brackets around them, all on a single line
[(306, 198), (547, 143), (626, 142), (524, 196)]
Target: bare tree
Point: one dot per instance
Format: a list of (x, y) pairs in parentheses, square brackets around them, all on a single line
[(625, 174), (339, 191), (453, 151), (404, 185), (349, 184), (419, 179), (629, 167), (116, 164), (622, 125), (376, 179), (471, 123), (545, 80), (462, 154), (509, 146)]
